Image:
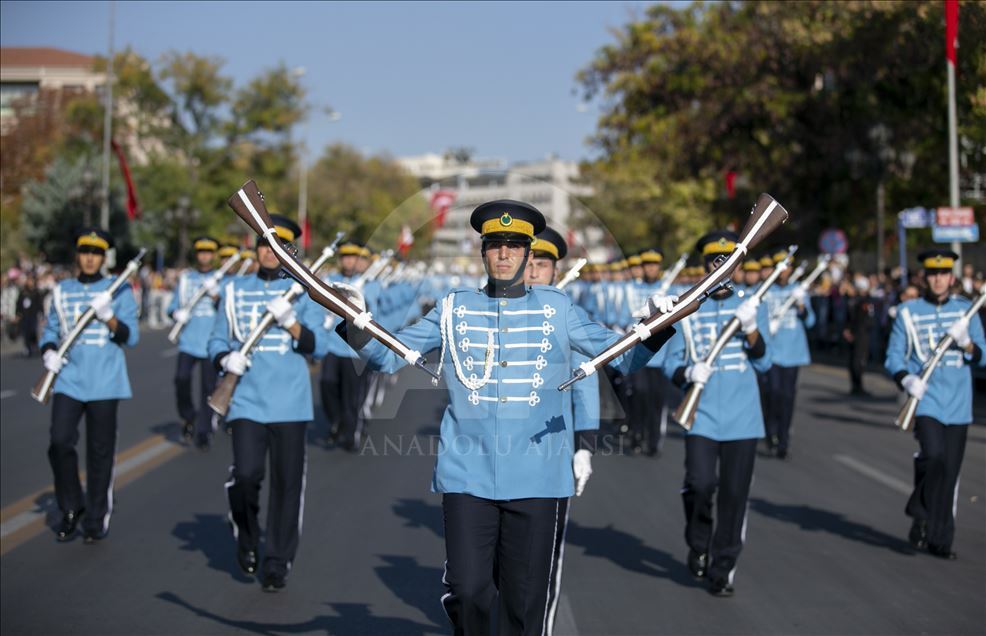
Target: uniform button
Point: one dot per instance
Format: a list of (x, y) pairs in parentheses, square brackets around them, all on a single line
[(503, 400), (503, 303), (503, 363)]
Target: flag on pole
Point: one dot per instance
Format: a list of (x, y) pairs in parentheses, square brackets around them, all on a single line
[(951, 29), (405, 240), (440, 202), (133, 206), (731, 184)]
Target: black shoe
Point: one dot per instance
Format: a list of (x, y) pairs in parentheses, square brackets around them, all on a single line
[(918, 536), (89, 537), (202, 442), (66, 527), (698, 563), (781, 453), (188, 430), (273, 582), (719, 586), (247, 559), (942, 551)]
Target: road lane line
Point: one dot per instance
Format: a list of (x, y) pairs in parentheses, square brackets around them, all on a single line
[(25, 518), (6, 394), (889, 481)]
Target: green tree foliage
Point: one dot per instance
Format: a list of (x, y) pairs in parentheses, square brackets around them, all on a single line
[(814, 102), (369, 198)]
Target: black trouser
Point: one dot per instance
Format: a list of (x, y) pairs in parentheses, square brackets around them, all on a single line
[(620, 390), (859, 354), (512, 548), (29, 330), (343, 391), (648, 408), (782, 383), (285, 504), (735, 460), (183, 391), (936, 478), (100, 449)]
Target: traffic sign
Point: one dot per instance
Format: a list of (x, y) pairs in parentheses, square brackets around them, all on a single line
[(959, 233), (833, 241), (954, 216), (913, 218)]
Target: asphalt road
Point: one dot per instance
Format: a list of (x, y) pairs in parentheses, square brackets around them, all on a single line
[(825, 552)]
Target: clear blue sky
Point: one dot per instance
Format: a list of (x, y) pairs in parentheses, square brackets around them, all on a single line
[(408, 77)]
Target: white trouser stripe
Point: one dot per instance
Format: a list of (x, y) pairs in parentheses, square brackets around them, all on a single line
[(551, 570), (557, 582)]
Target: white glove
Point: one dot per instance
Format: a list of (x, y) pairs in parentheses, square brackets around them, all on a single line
[(354, 295), (914, 385), (582, 469), (53, 362), (182, 315), (800, 296), (960, 333), (698, 373), (211, 286), (283, 312), (661, 303), (235, 363), (746, 313), (102, 303)]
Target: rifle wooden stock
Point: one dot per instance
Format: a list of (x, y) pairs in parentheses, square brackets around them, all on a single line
[(685, 413), (905, 417), (199, 294), (248, 203), (42, 388), (765, 217), (222, 396)]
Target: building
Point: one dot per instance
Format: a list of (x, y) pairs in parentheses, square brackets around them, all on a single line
[(552, 185), (25, 71)]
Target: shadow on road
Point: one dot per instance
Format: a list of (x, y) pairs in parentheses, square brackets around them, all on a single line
[(417, 585), (813, 519), (350, 618), (629, 552), (210, 535), (418, 513), (170, 430)]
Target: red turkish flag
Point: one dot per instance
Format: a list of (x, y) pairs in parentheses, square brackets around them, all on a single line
[(731, 184), (405, 240), (440, 202), (951, 29), (133, 207)]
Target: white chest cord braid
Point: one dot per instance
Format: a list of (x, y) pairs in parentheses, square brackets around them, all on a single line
[(448, 342)]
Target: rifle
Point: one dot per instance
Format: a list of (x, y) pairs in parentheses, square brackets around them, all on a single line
[(371, 272), (42, 388), (199, 294), (668, 279), (247, 262), (685, 413), (572, 274), (765, 217), (775, 318), (248, 203), (223, 394), (905, 418)]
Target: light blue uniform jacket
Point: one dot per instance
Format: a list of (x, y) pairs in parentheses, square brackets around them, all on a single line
[(917, 329), (194, 338), (97, 368), (789, 344)]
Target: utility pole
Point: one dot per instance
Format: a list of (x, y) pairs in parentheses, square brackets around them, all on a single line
[(104, 218)]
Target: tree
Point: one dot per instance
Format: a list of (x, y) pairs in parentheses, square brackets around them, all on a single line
[(814, 102)]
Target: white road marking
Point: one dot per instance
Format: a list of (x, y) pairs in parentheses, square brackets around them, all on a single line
[(6, 394), (876, 475)]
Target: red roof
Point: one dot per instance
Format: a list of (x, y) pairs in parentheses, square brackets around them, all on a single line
[(31, 56)]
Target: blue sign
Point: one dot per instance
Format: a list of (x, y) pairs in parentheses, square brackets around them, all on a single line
[(960, 233), (913, 218), (833, 241)]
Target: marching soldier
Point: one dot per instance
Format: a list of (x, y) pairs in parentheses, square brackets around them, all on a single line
[(788, 352), (92, 381), (505, 464), (194, 339), (945, 408), (750, 278), (343, 383), (271, 407), (727, 425)]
